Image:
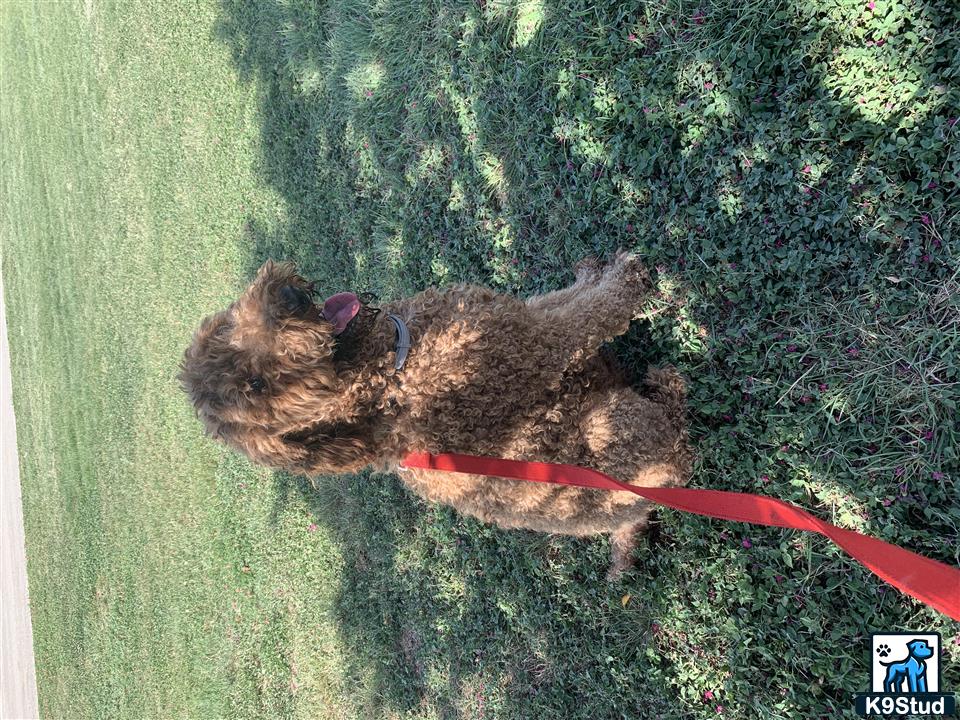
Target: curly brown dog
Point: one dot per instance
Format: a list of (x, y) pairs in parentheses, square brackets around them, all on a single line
[(323, 389)]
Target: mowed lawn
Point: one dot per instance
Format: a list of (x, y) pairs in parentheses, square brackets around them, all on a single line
[(789, 171)]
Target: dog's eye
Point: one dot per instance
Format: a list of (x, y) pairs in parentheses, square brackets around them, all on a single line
[(294, 299), (257, 384)]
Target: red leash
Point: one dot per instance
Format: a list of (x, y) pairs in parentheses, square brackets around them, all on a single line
[(932, 583)]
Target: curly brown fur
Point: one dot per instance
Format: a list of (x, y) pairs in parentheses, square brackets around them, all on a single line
[(488, 374)]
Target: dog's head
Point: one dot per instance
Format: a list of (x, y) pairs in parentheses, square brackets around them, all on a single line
[(262, 374), (920, 649)]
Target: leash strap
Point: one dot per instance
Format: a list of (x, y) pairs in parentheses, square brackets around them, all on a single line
[(932, 583)]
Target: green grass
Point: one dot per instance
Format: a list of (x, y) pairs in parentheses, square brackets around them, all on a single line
[(793, 181)]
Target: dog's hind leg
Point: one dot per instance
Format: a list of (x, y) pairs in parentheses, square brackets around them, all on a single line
[(894, 678), (575, 322), (588, 274), (638, 440), (623, 541)]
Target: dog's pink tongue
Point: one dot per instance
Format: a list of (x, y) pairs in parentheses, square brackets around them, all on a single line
[(340, 309)]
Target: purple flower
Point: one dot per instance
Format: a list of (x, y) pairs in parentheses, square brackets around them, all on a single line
[(746, 543), (822, 387), (791, 348), (925, 219), (898, 472), (778, 578), (631, 37), (927, 435), (931, 185), (708, 86), (871, 5), (937, 475), (707, 695), (629, 227), (887, 503), (853, 351), (807, 168), (312, 527)]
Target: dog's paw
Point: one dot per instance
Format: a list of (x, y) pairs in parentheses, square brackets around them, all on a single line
[(883, 650), (628, 271)]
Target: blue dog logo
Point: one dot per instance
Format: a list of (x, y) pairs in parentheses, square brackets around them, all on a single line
[(912, 670), (910, 686)]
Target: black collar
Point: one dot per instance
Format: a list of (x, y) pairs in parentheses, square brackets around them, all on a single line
[(403, 342)]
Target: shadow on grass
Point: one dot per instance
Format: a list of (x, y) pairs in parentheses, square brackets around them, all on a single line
[(756, 155)]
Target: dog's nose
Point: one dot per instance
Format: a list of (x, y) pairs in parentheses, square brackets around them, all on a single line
[(294, 299)]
